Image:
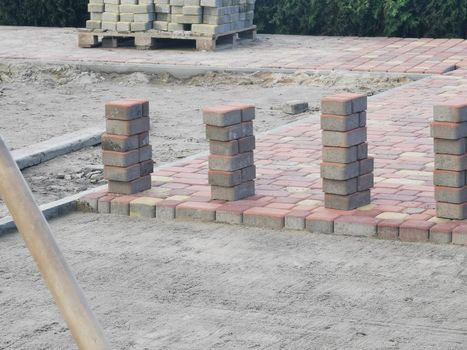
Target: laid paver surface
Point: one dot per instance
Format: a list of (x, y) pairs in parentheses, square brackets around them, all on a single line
[(270, 51), (288, 162)]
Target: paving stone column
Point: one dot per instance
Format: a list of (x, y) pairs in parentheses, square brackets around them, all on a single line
[(232, 172), (449, 130), (347, 171), (127, 154)]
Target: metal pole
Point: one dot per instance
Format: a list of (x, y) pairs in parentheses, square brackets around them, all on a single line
[(49, 259)]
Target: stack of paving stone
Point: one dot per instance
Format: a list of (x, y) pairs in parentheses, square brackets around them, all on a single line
[(197, 16), (449, 130), (229, 130), (121, 15), (127, 154), (347, 171)]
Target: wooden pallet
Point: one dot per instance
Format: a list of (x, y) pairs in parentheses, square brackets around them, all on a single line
[(153, 39)]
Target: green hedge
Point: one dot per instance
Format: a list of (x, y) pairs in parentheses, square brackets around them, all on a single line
[(44, 13), (403, 18), (406, 18)]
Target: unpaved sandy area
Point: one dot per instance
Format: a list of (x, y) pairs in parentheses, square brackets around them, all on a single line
[(38, 103), (158, 285)]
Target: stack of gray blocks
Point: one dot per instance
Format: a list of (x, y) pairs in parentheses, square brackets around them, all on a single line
[(209, 17)]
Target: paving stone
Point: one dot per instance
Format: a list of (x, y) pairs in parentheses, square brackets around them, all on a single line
[(127, 128), (265, 217), (443, 146), (119, 143), (454, 112), (340, 154), (365, 182), (296, 219), (248, 173), (392, 216), (139, 185), (356, 226), (442, 233), (121, 205), (341, 187), (227, 148), (248, 110), (222, 115), (227, 133), (246, 144), (224, 178), (449, 131), (340, 123), (451, 211), (244, 190), (165, 210), (338, 171), (231, 163), (146, 167), (295, 107), (124, 110), (145, 153), (144, 207), (89, 203), (459, 235), (350, 202), (120, 159), (451, 162), (415, 231), (103, 204), (388, 229), (321, 222), (344, 139), (143, 139), (456, 195), (197, 211), (366, 166), (232, 212), (344, 104), (449, 178), (129, 173), (362, 151)]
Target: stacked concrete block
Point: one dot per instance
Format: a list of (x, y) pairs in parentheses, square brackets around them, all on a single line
[(346, 170), (197, 16), (121, 15), (449, 130), (232, 172), (127, 154)]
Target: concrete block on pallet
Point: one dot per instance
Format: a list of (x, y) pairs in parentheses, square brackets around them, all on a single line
[(344, 139), (339, 171), (350, 202), (244, 190)]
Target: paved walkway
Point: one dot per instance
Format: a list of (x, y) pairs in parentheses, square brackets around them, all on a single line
[(271, 51), (289, 190), (289, 186)]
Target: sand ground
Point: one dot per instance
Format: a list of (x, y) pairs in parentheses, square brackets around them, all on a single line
[(178, 285)]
